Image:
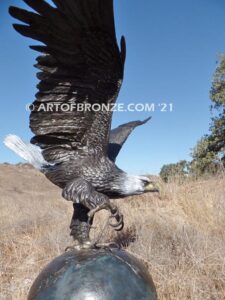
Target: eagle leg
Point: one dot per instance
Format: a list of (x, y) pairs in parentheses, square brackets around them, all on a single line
[(80, 224), (87, 201)]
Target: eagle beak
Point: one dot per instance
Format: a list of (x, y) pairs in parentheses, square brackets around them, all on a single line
[(152, 187)]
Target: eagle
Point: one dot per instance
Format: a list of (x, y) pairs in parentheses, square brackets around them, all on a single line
[(80, 65)]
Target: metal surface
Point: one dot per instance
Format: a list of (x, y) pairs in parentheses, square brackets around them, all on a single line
[(94, 275), (81, 65)]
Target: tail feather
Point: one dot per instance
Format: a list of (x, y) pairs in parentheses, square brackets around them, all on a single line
[(28, 152)]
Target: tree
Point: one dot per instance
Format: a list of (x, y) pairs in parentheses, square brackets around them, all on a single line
[(171, 171), (209, 154), (217, 95), (203, 161), (217, 138)]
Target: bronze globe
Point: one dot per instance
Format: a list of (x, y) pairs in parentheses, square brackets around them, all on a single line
[(94, 275)]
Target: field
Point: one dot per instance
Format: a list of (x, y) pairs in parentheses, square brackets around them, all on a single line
[(179, 233)]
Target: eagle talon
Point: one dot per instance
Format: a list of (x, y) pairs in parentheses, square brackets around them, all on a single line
[(119, 220), (118, 226), (79, 246), (92, 212), (108, 246)]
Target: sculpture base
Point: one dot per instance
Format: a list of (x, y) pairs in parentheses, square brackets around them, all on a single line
[(94, 275)]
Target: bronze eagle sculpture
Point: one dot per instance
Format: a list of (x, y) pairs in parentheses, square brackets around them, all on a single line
[(80, 63)]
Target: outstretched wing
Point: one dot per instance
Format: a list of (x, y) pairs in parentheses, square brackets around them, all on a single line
[(81, 64), (119, 135)]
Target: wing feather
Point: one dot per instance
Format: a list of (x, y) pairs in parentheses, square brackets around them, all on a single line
[(119, 135), (81, 64)]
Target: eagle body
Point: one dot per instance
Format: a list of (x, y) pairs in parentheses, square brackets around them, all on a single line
[(96, 169), (80, 63)]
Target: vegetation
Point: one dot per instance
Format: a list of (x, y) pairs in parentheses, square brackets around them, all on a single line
[(179, 234), (217, 129), (172, 171), (208, 156), (203, 161)]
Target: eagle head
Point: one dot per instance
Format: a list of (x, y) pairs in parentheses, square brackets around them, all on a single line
[(135, 185)]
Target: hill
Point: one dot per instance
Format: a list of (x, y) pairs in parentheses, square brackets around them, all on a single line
[(179, 233)]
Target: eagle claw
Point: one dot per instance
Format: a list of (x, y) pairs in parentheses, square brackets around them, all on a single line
[(115, 214)]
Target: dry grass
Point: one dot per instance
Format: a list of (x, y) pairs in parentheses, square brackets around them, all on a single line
[(180, 234)]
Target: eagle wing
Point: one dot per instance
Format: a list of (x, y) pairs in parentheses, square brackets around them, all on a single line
[(119, 135), (80, 64)]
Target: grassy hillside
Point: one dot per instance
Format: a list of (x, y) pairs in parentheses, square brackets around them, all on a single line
[(179, 234)]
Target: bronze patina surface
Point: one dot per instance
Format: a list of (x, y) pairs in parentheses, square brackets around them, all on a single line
[(94, 275)]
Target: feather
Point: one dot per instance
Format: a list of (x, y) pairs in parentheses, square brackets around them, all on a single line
[(119, 135), (28, 152), (82, 63)]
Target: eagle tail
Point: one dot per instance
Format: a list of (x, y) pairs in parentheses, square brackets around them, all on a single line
[(28, 152)]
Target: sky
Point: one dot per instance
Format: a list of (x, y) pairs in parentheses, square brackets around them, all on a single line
[(172, 50)]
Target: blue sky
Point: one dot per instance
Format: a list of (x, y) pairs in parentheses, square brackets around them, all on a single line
[(172, 49)]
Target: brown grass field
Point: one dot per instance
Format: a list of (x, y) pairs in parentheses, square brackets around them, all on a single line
[(179, 233)]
